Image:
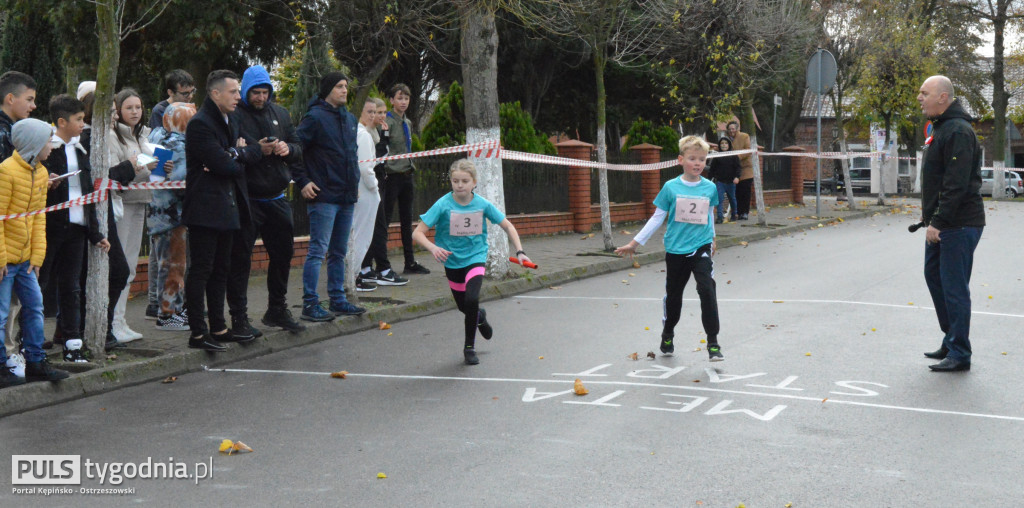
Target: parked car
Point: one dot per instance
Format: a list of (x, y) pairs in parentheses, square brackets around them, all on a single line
[(1014, 183), (860, 178)]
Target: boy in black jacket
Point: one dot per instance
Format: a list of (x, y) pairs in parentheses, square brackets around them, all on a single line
[(67, 230)]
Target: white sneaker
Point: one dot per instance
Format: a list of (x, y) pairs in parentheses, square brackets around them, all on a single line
[(16, 364), (73, 351), (122, 333)]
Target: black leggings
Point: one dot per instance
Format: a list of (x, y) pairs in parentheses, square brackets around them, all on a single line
[(465, 284), (678, 268)]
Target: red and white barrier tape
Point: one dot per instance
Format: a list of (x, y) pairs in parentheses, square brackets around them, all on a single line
[(88, 199)]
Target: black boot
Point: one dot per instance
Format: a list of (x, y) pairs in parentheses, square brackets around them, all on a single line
[(7, 378), (112, 342), (470, 355), (281, 317), (938, 354), (241, 331), (41, 371)]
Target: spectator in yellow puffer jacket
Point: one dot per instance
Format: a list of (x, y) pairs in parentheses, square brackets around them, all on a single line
[(23, 184)]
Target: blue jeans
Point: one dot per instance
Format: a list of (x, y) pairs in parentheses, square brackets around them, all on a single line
[(947, 270), (329, 226), (726, 189), (21, 279)]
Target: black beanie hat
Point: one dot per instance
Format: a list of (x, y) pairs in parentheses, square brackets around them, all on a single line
[(328, 81)]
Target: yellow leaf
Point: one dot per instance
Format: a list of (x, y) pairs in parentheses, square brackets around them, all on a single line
[(540, 357), (989, 297), (578, 389), (381, 476), (390, 333), (633, 357), (225, 445), (807, 354), (647, 328), (384, 326), (910, 303), (636, 264), (874, 330), (169, 379), (776, 301), (396, 54), (1004, 353), (340, 374)]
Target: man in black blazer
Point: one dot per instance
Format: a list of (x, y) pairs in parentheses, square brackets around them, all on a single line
[(216, 203)]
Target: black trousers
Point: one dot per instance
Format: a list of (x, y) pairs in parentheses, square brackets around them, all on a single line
[(397, 188), (743, 190), (678, 268), (271, 220), (62, 267), (465, 284), (206, 282)]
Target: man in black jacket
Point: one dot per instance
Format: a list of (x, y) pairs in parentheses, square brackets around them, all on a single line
[(216, 204), (258, 118), (952, 208)]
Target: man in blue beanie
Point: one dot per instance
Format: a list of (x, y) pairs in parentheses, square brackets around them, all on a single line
[(330, 184)]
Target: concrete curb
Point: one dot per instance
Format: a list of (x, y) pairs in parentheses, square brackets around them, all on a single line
[(155, 366)]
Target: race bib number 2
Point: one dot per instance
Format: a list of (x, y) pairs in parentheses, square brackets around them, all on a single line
[(466, 224), (692, 210)]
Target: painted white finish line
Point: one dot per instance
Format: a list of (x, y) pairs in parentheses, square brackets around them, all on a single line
[(758, 300), (701, 389)]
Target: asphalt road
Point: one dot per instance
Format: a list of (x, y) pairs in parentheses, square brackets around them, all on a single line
[(824, 398)]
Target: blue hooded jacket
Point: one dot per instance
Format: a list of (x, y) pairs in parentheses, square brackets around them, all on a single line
[(267, 179), (253, 76), (328, 138)]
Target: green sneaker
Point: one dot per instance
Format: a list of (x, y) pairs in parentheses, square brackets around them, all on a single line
[(715, 353)]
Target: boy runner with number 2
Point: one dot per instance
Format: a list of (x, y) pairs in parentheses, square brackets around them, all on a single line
[(462, 246), (689, 243)]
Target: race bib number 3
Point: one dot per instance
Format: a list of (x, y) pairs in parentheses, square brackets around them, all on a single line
[(466, 224), (692, 210)]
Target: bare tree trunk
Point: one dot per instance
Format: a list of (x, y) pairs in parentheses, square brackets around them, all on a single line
[(479, 51), (846, 170), (748, 122), (600, 61), (1000, 100), (97, 281)]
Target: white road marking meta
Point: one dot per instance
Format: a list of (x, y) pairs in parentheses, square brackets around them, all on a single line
[(818, 400), (758, 300)]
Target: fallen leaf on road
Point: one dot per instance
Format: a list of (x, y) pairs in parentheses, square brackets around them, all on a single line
[(169, 379), (340, 374), (989, 297), (910, 303), (647, 328), (384, 326), (578, 388), (874, 329), (540, 357), (1004, 353), (777, 301), (114, 357), (390, 333), (823, 400), (229, 447), (632, 275), (636, 264), (743, 244), (625, 232), (633, 357), (807, 354), (728, 282), (703, 341), (554, 288), (651, 355), (381, 476), (695, 350)]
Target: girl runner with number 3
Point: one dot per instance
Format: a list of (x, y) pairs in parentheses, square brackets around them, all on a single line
[(462, 246), (689, 243)]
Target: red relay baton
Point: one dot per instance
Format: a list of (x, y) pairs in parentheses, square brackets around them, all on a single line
[(526, 264)]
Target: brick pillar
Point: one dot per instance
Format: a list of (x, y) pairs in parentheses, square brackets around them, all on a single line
[(800, 166), (579, 184), (650, 181)]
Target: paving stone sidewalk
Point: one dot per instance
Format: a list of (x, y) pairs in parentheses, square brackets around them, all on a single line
[(561, 258)]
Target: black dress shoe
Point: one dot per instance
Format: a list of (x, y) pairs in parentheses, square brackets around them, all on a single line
[(206, 343), (950, 365), (938, 354)]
